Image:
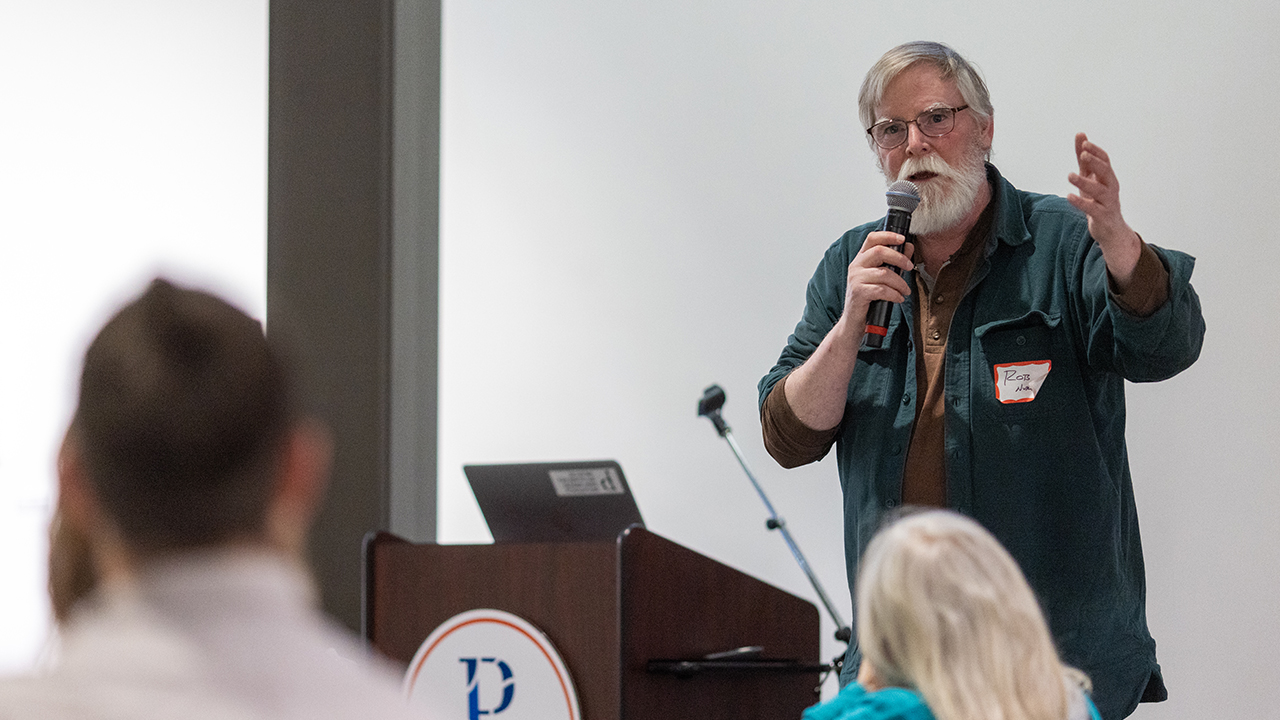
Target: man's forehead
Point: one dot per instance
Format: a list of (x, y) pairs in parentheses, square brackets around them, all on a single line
[(916, 89)]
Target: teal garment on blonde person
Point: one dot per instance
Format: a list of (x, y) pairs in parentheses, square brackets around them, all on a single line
[(855, 703)]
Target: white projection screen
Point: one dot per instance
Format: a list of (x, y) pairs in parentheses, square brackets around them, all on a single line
[(132, 143)]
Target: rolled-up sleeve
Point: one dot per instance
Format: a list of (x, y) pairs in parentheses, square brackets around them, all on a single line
[(1149, 288), (788, 440)]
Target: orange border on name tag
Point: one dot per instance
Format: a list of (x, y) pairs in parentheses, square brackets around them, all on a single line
[(996, 377)]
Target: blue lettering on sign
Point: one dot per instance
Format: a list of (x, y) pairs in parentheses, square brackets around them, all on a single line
[(473, 686)]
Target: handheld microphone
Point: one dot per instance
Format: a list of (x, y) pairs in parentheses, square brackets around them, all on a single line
[(903, 197)]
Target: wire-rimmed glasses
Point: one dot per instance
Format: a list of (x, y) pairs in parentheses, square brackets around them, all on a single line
[(937, 122)]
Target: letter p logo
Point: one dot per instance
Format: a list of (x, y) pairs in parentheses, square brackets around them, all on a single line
[(473, 686)]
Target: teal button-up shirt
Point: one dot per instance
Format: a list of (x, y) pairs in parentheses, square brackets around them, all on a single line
[(1049, 477)]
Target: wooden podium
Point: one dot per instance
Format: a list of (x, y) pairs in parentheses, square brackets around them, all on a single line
[(633, 620)]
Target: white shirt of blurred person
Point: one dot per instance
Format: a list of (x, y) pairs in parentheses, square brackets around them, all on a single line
[(951, 630), (194, 482)]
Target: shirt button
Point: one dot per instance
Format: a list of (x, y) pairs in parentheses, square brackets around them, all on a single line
[(940, 299), (890, 503), (906, 399), (1022, 340), (936, 335)]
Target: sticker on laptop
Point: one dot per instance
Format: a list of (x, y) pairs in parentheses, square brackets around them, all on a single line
[(586, 481), (1019, 382)]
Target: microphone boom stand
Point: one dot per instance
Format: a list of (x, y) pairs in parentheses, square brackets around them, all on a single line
[(709, 406)]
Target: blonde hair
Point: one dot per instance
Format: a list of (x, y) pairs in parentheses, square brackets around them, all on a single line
[(944, 609)]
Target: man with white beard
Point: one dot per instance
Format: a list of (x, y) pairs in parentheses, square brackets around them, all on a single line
[(998, 390)]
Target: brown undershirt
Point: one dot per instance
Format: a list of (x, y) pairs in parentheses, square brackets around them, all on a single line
[(924, 480)]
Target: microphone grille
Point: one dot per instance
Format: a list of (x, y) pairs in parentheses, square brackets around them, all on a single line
[(903, 195)]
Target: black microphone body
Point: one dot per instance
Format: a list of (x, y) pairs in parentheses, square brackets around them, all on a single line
[(903, 198)]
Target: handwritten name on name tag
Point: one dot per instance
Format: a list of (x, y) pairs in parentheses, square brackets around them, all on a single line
[(1019, 382)]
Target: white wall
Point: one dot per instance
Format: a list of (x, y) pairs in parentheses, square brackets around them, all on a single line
[(635, 194), (132, 142)]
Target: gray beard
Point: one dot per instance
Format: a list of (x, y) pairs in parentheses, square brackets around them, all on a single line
[(943, 205)]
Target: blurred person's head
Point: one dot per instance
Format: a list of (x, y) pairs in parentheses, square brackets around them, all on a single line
[(945, 610), (187, 436)]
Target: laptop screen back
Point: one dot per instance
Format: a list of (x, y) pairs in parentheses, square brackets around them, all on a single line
[(554, 502)]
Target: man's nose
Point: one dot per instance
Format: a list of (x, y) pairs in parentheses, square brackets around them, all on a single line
[(917, 141)]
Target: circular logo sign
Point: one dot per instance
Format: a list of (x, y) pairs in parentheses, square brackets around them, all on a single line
[(493, 665)]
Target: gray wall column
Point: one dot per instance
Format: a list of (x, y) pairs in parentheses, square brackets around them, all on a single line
[(352, 248), (415, 267)]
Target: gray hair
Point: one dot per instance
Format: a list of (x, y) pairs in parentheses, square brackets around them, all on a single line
[(944, 609), (947, 61)]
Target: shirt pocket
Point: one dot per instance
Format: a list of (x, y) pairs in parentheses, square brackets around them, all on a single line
[(873, 380), (1029, 338)]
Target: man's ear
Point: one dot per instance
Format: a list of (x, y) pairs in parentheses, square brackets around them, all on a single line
[(77, 501), (82, 546), (300, 483)]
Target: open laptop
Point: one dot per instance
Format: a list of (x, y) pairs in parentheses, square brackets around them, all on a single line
[(554, 502)]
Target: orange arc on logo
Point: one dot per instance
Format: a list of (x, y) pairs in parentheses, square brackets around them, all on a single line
[(564, 688)]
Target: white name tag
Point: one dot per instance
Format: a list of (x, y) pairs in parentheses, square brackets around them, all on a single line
[(1019, 382)]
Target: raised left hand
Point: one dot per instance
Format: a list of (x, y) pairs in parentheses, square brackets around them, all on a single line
[(1099, 199)]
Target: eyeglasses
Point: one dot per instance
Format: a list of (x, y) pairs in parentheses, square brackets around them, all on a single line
[(937, 122)]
